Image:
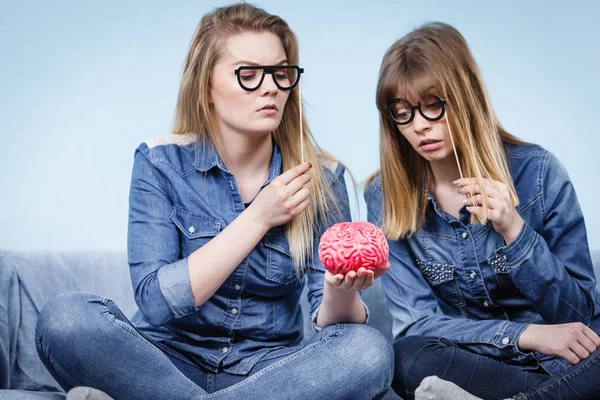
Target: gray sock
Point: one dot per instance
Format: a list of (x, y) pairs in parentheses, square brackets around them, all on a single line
[(434, 388), (87, 393)]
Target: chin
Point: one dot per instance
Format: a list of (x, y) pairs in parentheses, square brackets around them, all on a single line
[(439, 155), (263, 130), (265, 126)]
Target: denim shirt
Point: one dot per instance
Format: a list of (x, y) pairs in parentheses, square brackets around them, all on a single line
[(458, 280), (182, 196)]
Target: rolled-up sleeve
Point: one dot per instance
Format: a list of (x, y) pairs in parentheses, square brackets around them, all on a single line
[(413, 305), (160, 278), (552, 266)]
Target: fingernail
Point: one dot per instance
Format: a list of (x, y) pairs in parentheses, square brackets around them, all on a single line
[(309, 165), (455, 182)]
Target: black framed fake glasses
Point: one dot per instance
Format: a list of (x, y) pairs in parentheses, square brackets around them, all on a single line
[(431, 107), (286, 77)]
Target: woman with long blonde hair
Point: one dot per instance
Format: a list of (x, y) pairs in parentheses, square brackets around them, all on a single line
[(492, 286), (224, 218)]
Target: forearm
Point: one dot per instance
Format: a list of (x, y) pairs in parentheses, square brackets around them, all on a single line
[(549, 262), (211, 264), (413, 308), (558, 296), (340, 306), (494, 338)]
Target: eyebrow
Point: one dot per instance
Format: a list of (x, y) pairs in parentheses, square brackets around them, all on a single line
[(252, 63)]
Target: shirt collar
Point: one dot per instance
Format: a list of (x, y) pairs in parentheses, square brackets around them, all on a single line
[(433, 203), (276, 165), (206, 157)]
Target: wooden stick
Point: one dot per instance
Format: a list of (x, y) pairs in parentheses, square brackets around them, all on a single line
[(455, 152), (453, 146), (301, 132)]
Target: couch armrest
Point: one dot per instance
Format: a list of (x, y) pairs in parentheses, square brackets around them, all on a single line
[(46, 274), (28, 280)]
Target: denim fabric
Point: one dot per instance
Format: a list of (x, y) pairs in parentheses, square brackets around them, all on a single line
[(578, 382), (419, 356), (487, 293), (182, 195), (76, 329), (102, 272)]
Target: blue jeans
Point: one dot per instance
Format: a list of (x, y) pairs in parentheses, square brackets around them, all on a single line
[(85, 340), (419, 356)]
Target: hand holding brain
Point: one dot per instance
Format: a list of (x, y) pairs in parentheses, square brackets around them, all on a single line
[(348, 246)]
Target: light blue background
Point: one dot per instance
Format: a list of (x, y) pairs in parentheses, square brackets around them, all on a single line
[(82, 83)]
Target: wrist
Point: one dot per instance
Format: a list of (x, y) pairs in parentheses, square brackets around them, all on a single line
[(254, 220), (340, 294), (525, 342), (514, 230)]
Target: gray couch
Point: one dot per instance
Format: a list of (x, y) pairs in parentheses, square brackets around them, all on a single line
[(22, 375)]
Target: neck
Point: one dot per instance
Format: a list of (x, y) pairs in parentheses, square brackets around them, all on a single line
[(244, 154), (444, 171)]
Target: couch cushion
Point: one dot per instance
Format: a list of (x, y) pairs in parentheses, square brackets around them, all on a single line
[(46, 274), (28, 280), (29, 395)]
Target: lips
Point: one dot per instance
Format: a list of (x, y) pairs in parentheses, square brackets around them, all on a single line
[(269, 107), (425, 142)]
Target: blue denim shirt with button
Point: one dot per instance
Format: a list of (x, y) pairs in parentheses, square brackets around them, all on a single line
[(182, 195), (460, 281)]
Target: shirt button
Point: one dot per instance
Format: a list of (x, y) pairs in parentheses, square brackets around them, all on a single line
[(505, 340), (486, 304), (191, 229), (224, 349), (473, 275), (465, 235), (234, 311), (237, 287)]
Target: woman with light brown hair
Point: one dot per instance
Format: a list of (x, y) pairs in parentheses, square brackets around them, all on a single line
[(223, 219), (491, 285)]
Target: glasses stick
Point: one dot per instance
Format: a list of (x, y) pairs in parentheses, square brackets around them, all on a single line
[(455, 153), (301, 132), (453, 146)]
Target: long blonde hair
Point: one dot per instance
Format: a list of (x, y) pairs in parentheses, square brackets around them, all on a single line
[(436, 57), (194, 112)]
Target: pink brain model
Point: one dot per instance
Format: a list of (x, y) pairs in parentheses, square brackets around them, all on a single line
[(347, 246)]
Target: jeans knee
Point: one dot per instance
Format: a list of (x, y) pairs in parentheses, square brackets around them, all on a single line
[(411, 352), (409, 347), (66, 317), (371, 352)]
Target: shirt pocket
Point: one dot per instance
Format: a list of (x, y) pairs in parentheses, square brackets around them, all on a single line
[(280, 267), (442, 279), (196, 230), (498, 264)]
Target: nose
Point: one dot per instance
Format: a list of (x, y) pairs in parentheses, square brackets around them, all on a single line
[(420, 124), (268, 86)]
